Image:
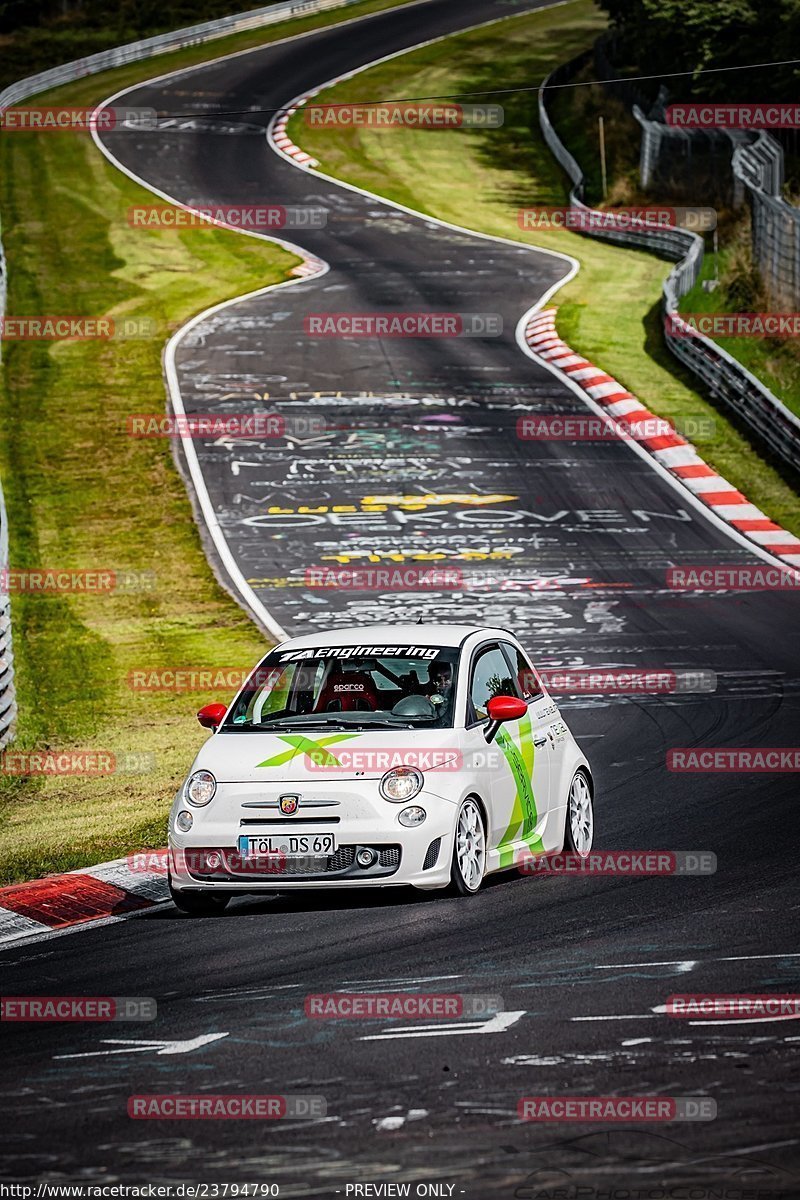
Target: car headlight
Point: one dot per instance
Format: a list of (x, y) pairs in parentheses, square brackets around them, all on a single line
[(401, 784), (200, 788), (184, 821)]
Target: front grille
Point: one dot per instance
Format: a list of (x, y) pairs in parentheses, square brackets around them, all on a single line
[(342, 865), (344, 857), (432, 855), (292, 822), (339, 861)]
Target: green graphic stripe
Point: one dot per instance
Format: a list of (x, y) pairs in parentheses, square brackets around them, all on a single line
[(315, 751), (523, 815)]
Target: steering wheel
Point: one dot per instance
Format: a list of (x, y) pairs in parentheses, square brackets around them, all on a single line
[(414, 706)]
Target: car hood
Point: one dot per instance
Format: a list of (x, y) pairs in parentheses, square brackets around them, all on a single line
[(325, 754)]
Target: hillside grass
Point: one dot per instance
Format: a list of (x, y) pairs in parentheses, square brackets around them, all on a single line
[(82, 494)]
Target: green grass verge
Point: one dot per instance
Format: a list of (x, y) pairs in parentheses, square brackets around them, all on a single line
[(611, 311), (82, 494)]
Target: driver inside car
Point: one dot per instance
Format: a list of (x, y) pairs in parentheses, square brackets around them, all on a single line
[(441, 685)]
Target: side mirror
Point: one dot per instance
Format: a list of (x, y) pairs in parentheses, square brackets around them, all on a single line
[(500, 709), (212, 715)]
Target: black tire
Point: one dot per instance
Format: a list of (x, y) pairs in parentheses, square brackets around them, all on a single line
[(459, 885), (199, 904), (570, 842)]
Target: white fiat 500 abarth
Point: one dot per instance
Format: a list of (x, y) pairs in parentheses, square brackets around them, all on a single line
[(390, 754)]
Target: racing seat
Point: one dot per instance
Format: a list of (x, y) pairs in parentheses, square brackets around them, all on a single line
[(348, 691)]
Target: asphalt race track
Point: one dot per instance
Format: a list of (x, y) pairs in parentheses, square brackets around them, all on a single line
[(580, 964)]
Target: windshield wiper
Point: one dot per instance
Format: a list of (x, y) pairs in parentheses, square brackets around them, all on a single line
[(249, 727), (360, 726), (327, 723), (310, 721)]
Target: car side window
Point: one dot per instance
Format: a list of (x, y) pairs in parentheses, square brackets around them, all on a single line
[(525, 675), (491, 676)]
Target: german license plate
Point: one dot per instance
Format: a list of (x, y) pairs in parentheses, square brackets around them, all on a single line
[(294, 845)]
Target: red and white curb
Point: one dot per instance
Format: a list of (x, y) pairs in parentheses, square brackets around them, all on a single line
[(669, 449), (308, 267), (103, 894), (282, 139)]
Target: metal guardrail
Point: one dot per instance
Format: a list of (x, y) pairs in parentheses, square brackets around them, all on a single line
[(191, 35), (22, 89), (8, 698), (725, 377)]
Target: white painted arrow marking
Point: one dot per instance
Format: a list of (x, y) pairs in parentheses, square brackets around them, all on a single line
[(620, 1017), (139, 1046), (397, 1122), (747, 1020), (495, 1024), (229, 443)]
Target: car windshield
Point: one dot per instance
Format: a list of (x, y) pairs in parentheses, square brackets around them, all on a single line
[(346, 687)]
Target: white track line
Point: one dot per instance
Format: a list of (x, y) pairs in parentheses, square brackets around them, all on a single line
[(675, 483), (679, 961), (259, 611), (248, 597)]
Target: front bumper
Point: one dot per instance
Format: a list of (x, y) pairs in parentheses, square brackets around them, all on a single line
[(419, 857)]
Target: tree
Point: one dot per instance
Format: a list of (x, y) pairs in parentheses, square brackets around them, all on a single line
[(662, 37)]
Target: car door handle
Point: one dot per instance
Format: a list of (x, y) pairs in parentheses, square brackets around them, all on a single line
[(540, 741)]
